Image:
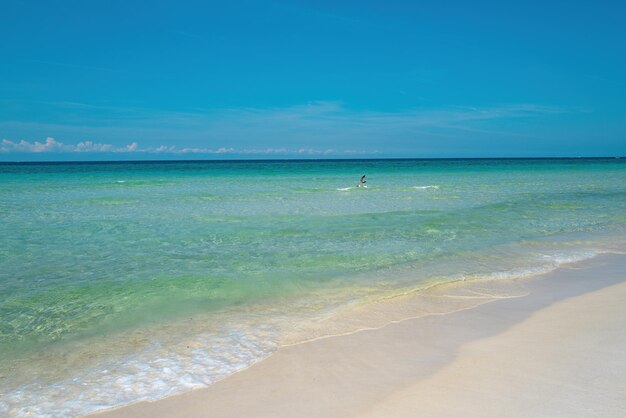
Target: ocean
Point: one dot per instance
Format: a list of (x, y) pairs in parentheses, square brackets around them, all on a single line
[(128, 281)]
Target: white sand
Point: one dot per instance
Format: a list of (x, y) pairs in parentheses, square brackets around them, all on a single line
[(560, 351)]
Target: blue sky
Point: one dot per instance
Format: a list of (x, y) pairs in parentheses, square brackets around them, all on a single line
[(311, 79)]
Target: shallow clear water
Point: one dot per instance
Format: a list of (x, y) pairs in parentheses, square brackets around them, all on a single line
[(128, 281)]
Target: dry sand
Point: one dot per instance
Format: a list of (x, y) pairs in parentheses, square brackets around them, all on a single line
[(559, 351)]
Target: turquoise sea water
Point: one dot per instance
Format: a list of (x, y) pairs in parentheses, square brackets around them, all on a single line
[(129, 281)]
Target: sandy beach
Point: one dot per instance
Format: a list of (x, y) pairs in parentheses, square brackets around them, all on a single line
[(558, 351)]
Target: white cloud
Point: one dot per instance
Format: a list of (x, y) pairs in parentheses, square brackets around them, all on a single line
[(49, 145), (52, 145), (89, 146), (253, 151), (131, 147), (163, 148), (311, 151)]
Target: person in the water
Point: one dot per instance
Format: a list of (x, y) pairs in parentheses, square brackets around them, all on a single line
[(362, 182)]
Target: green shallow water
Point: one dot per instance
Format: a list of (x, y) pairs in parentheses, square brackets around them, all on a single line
[(112, 248)]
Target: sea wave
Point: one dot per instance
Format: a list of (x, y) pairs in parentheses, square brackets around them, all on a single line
[(432, 187)]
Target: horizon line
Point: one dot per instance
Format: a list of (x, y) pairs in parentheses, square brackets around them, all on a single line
[(612, 157)]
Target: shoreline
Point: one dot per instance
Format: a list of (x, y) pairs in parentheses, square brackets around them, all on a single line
[(382, 371)]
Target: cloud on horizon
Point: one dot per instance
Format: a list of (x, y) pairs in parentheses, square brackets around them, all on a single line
[(51, 145)]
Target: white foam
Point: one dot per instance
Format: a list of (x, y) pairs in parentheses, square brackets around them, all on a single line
[(344, 189), (553, 262), (154, 373), (426, 187)]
